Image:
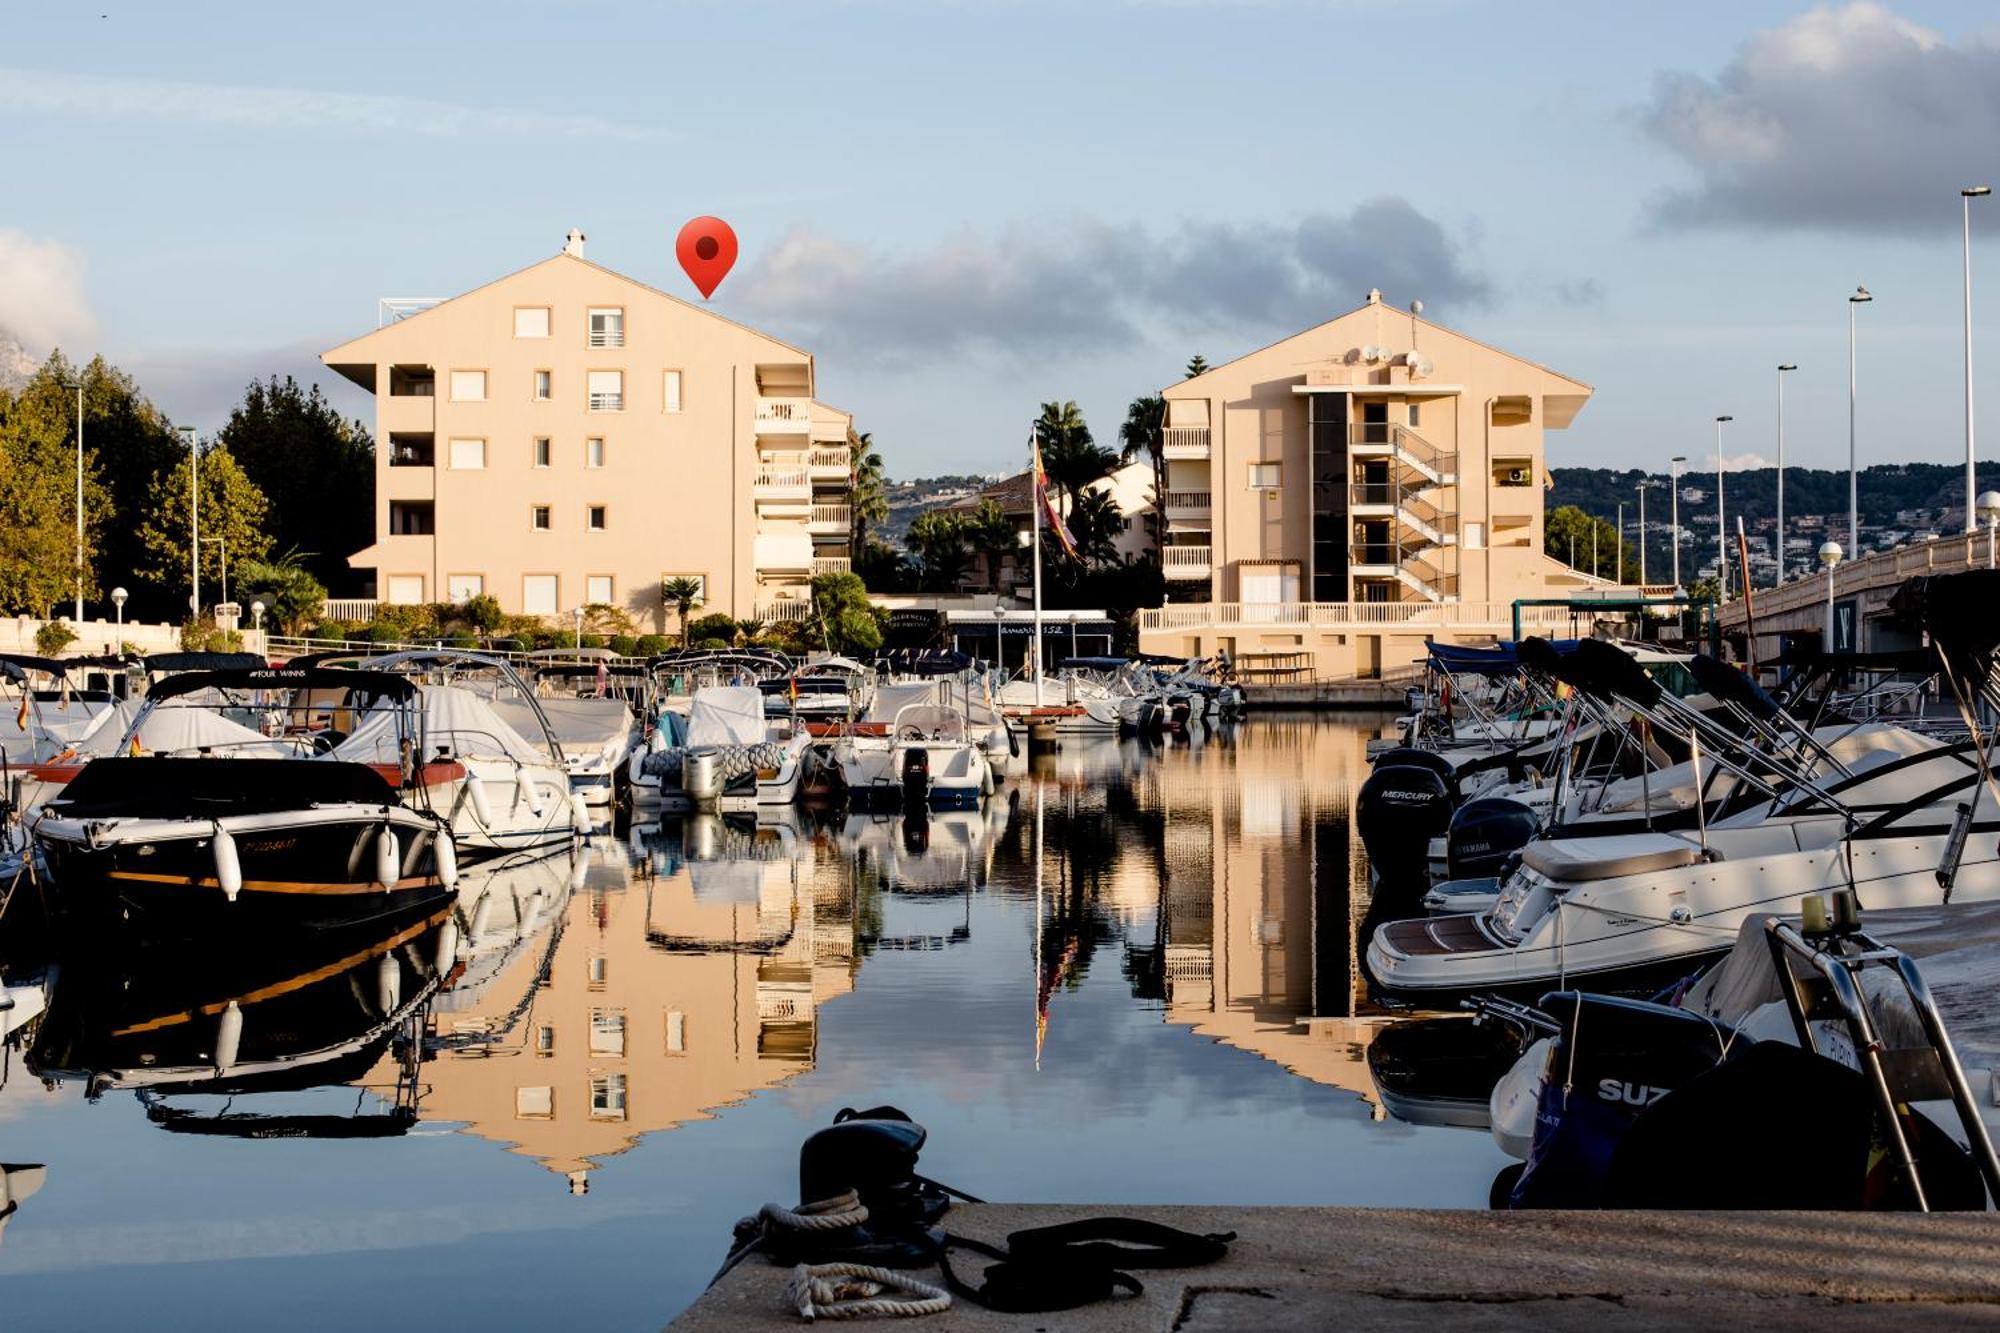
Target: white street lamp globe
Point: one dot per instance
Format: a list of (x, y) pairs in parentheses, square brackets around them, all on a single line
[(1988, 505), (1830, 553), (257, 608), (118, 595)]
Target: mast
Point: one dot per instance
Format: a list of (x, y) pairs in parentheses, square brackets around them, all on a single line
[(1041, 498)]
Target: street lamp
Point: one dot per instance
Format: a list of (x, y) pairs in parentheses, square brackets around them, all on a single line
[(1965, 198), (1861, 297), (999, 636), (1674, 472), (118, 596), (1621, 541), (78, 386), (1989, 509), (1829, 556), (1641, 488), (1781, 468), (194, 519), (257, 614), (1721, 526)]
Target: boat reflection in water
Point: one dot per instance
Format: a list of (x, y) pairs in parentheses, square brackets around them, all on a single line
[(179, 1026)]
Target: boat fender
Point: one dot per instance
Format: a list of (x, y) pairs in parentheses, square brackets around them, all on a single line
[(579, 813), (447, 947), (524, 791), (228, 866), (579, 870), (475, 790), (388, 858), (388, 984), (445, 852), (482, 916), (657, 741), (228, 1038)]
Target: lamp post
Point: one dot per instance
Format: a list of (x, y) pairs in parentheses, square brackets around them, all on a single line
[(1861, 297), (257, 614), (194, 519), (1721, 524), (1641, 488), (1621, 541), (1965, 198), (999, 636), (1989, 509), (1781, 469), (78, 386), (1829, 556), (1674, 473), (118, 597)]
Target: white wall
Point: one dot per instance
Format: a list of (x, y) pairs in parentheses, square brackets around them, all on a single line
[(17, 635)]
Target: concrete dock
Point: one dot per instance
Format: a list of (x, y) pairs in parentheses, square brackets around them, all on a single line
[(1442, 1271)]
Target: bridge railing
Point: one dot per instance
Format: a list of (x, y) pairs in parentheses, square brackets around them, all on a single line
[(1878, 570)]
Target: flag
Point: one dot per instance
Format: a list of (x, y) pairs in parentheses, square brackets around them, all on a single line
[(21, 720), (792, 687), (1050, 514), (133, 748)]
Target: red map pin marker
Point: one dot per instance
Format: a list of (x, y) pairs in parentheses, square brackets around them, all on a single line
[(707, 251)]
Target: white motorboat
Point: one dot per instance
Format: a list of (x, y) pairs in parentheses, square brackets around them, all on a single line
[(1077, 707), (737, 760), (927, 757)]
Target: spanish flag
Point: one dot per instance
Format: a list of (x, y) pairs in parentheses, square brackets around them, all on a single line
[(1050, 514), (133, 748), (21, 718)]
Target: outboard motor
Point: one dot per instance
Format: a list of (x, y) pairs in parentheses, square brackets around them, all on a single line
[(916, 779), (1422, 758), (1483, 834), (701, 775), (1400, 809)]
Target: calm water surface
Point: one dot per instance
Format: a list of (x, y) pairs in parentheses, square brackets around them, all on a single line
[(1094, 991)]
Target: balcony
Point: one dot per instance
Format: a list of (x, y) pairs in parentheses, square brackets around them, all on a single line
[(1187, 505), (1185, 562), (1381, 439), (830, 464), (784, 416), (1185, 442), (781, 482), (1420, 513), (406, 414), (412, 450), (833, 564), (1413, 564), (787, 612), (830, 519)]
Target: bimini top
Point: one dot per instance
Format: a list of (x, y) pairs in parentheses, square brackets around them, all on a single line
[(1956, 610), (16, 666), (176, 662), (382, 684), (1500, 660)]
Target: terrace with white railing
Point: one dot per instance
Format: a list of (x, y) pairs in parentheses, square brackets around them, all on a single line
[(1414, 617)]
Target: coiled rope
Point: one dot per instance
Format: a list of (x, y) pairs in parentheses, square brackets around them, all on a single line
[(842, 1210), (856, 1291)]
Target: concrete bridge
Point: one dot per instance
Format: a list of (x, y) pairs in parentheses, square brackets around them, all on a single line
[(1861, 592)]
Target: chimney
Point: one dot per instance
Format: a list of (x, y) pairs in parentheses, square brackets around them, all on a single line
[(1374, 296), (573, 243)]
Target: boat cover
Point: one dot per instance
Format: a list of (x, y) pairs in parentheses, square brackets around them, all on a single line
[(581, 726), (1577, 860), (892, 699), (726, 715), (183, 727), (453, 717), (1500, 660)]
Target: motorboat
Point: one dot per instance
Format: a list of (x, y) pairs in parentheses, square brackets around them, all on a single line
[(927, 759), (594, 710), (1075, 706), (653, 770), (504, 905), (738, 760), (203, 826)]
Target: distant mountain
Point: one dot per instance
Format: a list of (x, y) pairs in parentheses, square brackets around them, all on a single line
[(16, 366), (907, 499)]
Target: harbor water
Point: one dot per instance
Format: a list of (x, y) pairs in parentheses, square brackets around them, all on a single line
[(1131, 978)]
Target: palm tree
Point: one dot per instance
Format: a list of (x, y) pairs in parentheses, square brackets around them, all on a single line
[(751, 630), (1095, 523), (992, 534), (1073, 459), (938, 536), (1145, 431), (684, 595), (868, 489)]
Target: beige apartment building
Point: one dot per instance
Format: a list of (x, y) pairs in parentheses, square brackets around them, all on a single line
[(1342, 495), (568, 436)]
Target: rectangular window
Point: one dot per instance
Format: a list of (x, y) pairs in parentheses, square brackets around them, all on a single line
[(534, 1104), (462, 588), (412, 518), (545, 1039), (676, 1032), (538, 518), (593, 518), (1475, 536), (538, 594), (406, 589), (607, 391), (607, 1096), (544, 382), (597, 590), (1416, 414), (607, 326), (468, 455), (468, 386), (531, 321), (1265, 476), (541, 451), (597, 972), (607, 1032), (670, 391), (593, 451)]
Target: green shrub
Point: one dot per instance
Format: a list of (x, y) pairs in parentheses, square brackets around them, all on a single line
[(712, 643), (53, 637), (705, 628), (483, 613), (625, 645), (652, 645)]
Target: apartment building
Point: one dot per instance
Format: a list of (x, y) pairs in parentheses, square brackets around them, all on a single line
[(1336, 498), (567, 436)]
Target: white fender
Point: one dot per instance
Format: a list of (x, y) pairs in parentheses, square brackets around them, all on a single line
[(524, 790), (445, 852), (579, 814), (579, 869), (482, 916), (228, 1038), (388, 983), (388, 858), (447, 948), (531, 915), (658, 740), (475, 790), (228, 867)]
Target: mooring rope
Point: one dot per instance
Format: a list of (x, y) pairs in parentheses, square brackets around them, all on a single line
[(856, 1291)]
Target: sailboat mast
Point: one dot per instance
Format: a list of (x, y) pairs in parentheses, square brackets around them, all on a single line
[(1035, 483)]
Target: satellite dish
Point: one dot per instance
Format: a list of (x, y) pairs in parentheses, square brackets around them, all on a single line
[(1371, 354), (1420, 365)]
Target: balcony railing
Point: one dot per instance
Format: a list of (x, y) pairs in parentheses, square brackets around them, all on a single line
[(1404, 444), (1185, 562), (840, 518), (349, 608), (788, 612), (826, 461), (1185, 442), (1187, 502), (607, 402), (774, 480), (783, 416), (608, 335), (421, 454), (833, 564), (1485, 616)]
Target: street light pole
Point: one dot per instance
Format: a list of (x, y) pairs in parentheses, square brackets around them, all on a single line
[(1621, 541), (1781, 469), (1721, 523), (1965, 198), (1641, 488), (1829, 555), (1861, 297), (194, 520), (1674, 480)]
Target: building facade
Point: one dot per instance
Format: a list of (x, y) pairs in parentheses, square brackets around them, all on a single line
[(1336, 498), (566, 436)]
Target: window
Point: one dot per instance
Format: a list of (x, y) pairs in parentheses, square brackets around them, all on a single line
[(406, 589), (607, 1096), (468, 386), (676, 1032), (544, 382), (541, 451), (670, 391), (534, 1104), (1416, 414), (607, 391), (607, 1032), (1475, 536), (538, 518), (597, 973), (468, 455), (593, 451), (531, 321), (412, 518), (462, 588), (545, 1039), (607, 326), (538, 594), (593, 518), (597, 590), (1265, 476)]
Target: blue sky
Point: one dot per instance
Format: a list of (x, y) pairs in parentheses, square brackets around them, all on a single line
[(966, 209)]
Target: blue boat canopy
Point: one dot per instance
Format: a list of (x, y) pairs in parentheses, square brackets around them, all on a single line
[(1500, 660)]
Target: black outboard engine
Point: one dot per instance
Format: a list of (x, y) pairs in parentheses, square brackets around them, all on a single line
[(1400, 809), (1422, 758), (1483, 833), (916, 778)]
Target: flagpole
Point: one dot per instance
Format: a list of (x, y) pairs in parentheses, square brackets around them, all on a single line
[(1041, 498)]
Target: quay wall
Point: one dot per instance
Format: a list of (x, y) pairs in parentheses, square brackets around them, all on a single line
[(17, 635)]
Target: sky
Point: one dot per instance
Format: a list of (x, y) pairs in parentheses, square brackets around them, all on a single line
[(967, 209)]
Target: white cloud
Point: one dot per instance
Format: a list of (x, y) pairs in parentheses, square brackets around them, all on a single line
[(1848, 118), (42, 299), (61, 93)]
